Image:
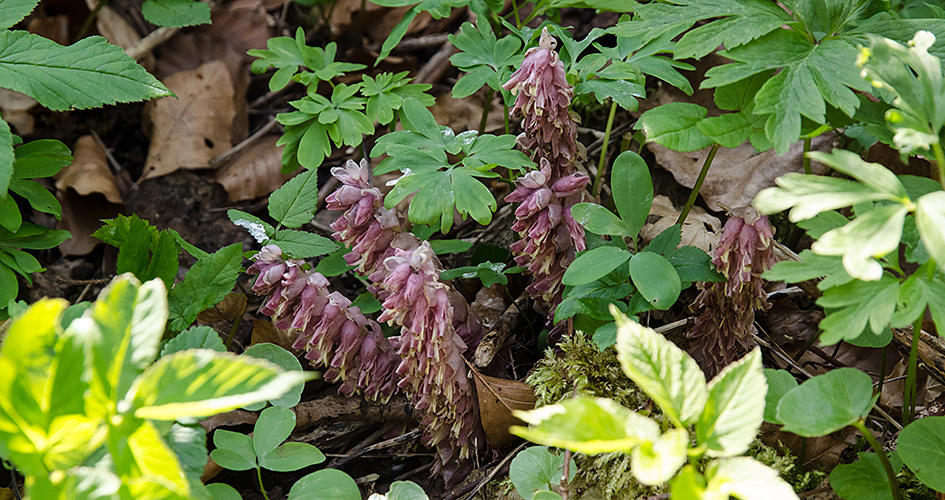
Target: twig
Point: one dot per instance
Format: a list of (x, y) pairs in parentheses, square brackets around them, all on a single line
[(434, 68), (237, 150), (410, 473), (155, 38), (495, 471), (116, 167), (379, 446)]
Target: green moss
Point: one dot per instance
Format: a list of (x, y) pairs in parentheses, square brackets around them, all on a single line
[(786, 465)]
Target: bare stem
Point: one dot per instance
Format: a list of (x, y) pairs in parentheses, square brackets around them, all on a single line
[(878, 448), (262, 488), (695, 189), (603, 151), (908, 398), (564, 476), (485, 110)]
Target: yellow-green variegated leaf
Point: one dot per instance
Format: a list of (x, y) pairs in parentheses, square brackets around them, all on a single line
[(655, 462), (930, 221), (746, 479), (71, 439), (735, 409), (873, 175), (662, 370), (872, 235), (587, 425), (159, 468), (809, 195), (201, 382)]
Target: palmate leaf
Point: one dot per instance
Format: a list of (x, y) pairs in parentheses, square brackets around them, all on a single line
[(86, 74), (441, 191), (857, 304), (176, 13), (386, 93), (483, 58)]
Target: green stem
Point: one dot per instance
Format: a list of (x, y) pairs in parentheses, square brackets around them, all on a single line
[(603, 151), (806, 160), (506, 107), (518, 20), (695, 189), (91, 17), (878, 448), (882, 372), (908, 398), (485, 110), (262, 488), (939, 163)]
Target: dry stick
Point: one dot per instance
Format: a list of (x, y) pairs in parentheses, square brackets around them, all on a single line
[(493, 341), (234, 152), (436, 66), (157, 37), (112, 161), (495, 471), (368, 441), (379, 446), (410, 473)]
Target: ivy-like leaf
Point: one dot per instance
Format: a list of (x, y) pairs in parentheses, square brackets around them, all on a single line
[(176, 13), (86, 74)]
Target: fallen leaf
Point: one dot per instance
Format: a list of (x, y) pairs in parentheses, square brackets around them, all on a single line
[(188, 131), (497, 399), (16, 107), (89, 172), (55, 28), (264, 331), (701, 229), (117, 31), (228, 309), (255, 173), (465, 114), (7, 494)]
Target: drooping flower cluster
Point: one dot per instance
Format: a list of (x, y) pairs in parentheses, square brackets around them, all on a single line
[(550, 236), (725, 311), (334, 333)]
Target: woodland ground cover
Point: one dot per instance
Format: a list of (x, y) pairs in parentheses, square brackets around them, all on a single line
[(686, 249)]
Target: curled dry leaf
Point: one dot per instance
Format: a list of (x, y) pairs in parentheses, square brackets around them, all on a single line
[(497, 399), (490, 303), (256, 173), (701, 229), (188, 131), (16, 110), (465, 114), (87, 191), (228, 309), (264, 331)]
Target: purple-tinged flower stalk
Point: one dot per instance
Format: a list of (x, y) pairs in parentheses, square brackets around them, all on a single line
[(433, 371), (725, 311), (334, 333), (549, 233)]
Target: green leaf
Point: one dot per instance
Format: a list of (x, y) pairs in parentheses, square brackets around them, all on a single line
[(223, 491), (10, 217), (39, 197), (205, 285), (33, 237), (258, 228), (6, 155), (156, 463), (735, 409), (655, 462), (875, 176), (633, 190), (326, 484), (86, 74), (687, 485), (779, 383), (41, 158), (197, 337), (283, 359), (922, 448), (386, 93), (864, 479), (594, 264), (489, 273), (292, 456), (200, 383), (872, 235), (233, 451), (811, 266), (302, 244), (856, 303), (599, 220), (189, 443), (930, 212), (13, 11), (823, 222), (746, 479), (666, 242), (406, 490), (662, 370), (439, 193), (483, 57), (176, 13), (675, 126), (810, 195), (535, 468), (656, 279), (274, 426), (586, 425), (826, 403), (729, 130), (334, 264), (442, 247), (9, 286), (812, 75), (692, 264)]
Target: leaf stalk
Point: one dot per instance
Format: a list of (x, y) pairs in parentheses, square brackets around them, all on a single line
[(695, 189), (878, 448)]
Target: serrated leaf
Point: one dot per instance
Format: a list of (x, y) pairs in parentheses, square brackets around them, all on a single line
[(86, 74), (826, 403), (176, 13), (675, 126), (13, 11), (870, 236), (292, 204), (922, 447), (854, 305), (655, 462), (661, 370), (198, 337), (666, 242), (587, 425), (594, 264), (735, 409), (302, 244), (633, 190), (779, 383), (206, 284), (746, 479), (656, 279), (864, 479), (200, 383)]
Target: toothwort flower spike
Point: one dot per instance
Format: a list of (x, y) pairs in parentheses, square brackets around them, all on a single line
[(334, 333), (725, 311), (550, 235)]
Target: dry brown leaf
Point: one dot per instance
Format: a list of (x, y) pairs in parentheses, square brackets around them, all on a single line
[(82, 216), (89, 172), (7, 494), (117, 31), (701, 229), (188, 131), (497, 399), (256, 173), (264, 331), (465, 114), (233, 305), (822, 452), (736, 175), (55, 28), (242, 24), (16, 110)]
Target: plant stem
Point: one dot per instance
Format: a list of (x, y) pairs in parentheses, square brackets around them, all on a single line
[(518, 20), (695, 189), (878, 448), (566, 474), (236, 324), (263, 489), (882, 372), (603, 150), (939, 163), (908, 398), (506, 108), (807, 169), (485, 110), (91, 17)]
